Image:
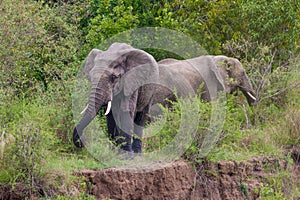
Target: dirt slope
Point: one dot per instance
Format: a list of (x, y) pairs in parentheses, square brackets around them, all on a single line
[(179, 180)]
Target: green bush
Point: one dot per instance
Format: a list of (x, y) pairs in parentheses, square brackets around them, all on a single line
[(37, 45), (43, 42), (107, 19), (33, 138), (276, 24), (214, 23), (211, 23), (175, 127), (40, 133)]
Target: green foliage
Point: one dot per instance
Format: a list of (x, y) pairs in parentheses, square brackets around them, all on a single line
[(167, 126), (105, 18), (33, 137), (276, 23), (164, 128), (40, 133), (110, 18), (43, 43), (278, 186), (211, 23), (37, 45)]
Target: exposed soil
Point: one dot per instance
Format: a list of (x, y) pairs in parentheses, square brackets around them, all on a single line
[(18, 192), (180, 180)]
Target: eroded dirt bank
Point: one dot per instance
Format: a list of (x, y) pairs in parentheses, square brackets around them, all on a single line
[(180, 180)]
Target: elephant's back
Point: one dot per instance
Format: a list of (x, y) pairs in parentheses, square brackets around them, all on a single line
[(180, 76)]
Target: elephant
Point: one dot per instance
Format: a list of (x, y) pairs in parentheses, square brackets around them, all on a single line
[(184, 77), (119, 78), (129, 81), (232, 73)]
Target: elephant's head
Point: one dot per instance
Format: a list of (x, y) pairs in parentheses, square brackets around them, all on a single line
[(235, 77), (120, 70)]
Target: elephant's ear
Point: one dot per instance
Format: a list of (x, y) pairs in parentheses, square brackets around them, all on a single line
[(90, 62), (211, 75), (231, 65), (216, 73), (141, 69), (225, 69)]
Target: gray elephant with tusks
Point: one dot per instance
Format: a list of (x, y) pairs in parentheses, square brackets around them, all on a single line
[(120, 80), (127, 81), (231, 71)]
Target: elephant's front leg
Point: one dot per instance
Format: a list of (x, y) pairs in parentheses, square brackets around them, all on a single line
[(119, 137), (125, 128), (111, 127), (139, 124), (123, 113)]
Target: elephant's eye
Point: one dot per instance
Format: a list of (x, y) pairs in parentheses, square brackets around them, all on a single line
[(113, 77)]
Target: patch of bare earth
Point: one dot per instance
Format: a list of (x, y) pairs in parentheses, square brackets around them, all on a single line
[(180, 180)]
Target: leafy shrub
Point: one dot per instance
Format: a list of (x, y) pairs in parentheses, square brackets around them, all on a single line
[(175, 127), (37, 127), (276, 24), (37, 45), (109, 18), (24, 158), (211, 23)]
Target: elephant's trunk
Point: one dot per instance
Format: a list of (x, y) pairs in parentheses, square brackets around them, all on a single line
[(99, 96)]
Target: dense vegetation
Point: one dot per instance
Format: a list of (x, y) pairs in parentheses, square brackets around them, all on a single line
[(43, 44)]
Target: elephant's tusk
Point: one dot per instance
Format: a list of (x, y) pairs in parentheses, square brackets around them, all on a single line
[(84, 109), (108, 108), (252, 97)]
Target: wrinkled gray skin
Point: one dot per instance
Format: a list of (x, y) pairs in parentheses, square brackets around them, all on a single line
[(231, 71), (186, 77), (132, 94), (115, 76), (234, 77)]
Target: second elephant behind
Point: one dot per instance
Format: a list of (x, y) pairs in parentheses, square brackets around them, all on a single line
[(182, 76)]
